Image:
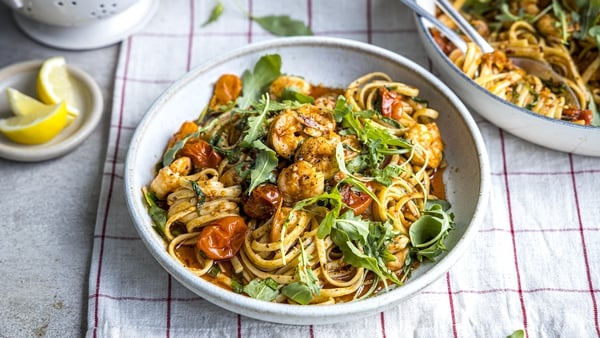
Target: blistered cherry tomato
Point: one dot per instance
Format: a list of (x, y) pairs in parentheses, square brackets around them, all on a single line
[(186, 128), (223, 238), (201, 153), (355, 199), (227, 89), (263, 201), (391, 104)]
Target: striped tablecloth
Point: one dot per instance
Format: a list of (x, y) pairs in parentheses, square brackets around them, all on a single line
[(534, 265)]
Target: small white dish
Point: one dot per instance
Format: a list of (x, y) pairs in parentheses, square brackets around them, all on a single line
[(332, 62), (23, 76)]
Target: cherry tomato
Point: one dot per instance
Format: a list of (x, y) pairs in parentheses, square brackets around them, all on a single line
[(574, 114), (186, 128), (223, 238), (263, 201), (227, 89), (201, 153), (391, 104), (355, 199)]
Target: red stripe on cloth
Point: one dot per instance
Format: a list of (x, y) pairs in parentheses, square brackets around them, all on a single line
[(249, 33), (309, 13), (239, 326), (111, 184), (168, 329), (382, 319), (451, 303), (311, 331), (583, 246), (512, 231), (188, 65), (369, 23)]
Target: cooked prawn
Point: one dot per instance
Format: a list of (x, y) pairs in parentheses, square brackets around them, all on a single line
[(285, 134), (300, 180), (167, 179), (289, 82), (398, 248), (320, 152), (428, 144), (317, 121), (292, 127)]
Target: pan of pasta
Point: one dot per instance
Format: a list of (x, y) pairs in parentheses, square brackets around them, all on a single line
[(307, 172), (562, 35)]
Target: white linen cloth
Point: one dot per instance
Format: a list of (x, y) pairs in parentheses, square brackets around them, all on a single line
[(534, 264)]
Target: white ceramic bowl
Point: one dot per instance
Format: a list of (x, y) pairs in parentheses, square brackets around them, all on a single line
[(544, 131), (80, 24), (332, 62)]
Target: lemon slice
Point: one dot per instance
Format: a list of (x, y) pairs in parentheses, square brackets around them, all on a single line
[(38, 127), (54, 84)]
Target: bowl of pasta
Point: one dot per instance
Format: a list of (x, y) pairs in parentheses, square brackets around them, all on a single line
[(532, 107), (307, 171)]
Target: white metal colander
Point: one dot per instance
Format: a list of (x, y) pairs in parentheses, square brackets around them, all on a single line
[(81, 24)]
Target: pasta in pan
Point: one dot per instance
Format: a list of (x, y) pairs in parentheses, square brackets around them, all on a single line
[(542, 30), (305, 194)]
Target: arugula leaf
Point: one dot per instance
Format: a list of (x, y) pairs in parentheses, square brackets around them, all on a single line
[(266, 289), (302, 291), (427, 234), (373, 260), (298, 292), (266, 161), (158, 215), (589, 17), (517, 334), (215, 13), (267, 69), (282, 25), (385, 175), (294, 95), (255, 125), (200, 195), (378, 141)]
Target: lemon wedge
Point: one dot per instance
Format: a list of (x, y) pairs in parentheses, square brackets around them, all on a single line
[(22, 104), (54, 84), (38, 126)]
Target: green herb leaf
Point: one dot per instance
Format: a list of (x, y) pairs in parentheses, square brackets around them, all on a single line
[(266, 289), (215, 14), (267, 69), (266, 162), (170, 154), (595, 112), (214, 271), (158, 215), (517, 334), (294, 95), (256, 125), (200, 195), (282, 25), (298, 292), (236, 286), (427, 234), (386, 175)]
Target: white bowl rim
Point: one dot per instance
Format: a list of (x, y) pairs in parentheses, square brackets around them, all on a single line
[(238, 303), (423, 27)]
